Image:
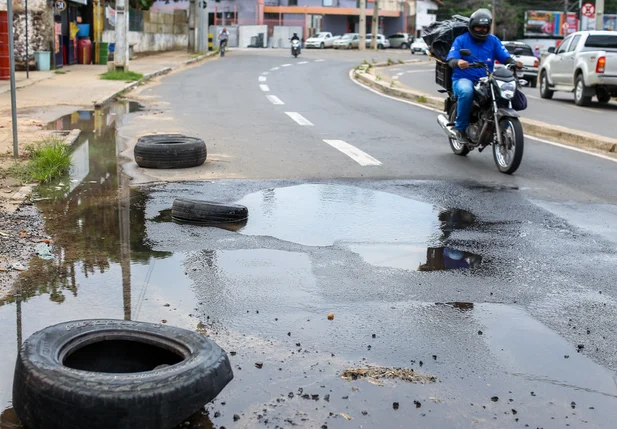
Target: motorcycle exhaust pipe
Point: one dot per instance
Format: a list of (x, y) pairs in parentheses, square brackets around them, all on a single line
[(447, 127)]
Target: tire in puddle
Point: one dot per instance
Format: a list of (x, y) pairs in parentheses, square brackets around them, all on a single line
[(209, 213)]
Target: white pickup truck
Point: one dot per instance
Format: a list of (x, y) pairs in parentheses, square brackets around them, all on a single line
[(585, 63)]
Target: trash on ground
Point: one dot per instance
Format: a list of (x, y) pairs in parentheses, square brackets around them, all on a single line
[(43, 250), (331, 316), (347, 416), (375, 373), (18, 266)]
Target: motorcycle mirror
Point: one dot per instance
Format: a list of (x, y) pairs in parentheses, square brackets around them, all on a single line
[(465, 52)]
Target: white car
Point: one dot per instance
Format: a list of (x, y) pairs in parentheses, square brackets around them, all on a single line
[(526, 56), (346, 42), (320, 40), (382, 42), (419, 46)]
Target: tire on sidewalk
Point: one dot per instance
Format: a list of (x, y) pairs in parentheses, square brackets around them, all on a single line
[(170, 151), (103, 373), (207, 212)]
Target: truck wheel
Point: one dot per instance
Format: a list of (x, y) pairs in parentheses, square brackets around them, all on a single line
[(545, 92), (404, 46), (533, 82), (579, 92), (169, 151), (603, 96)]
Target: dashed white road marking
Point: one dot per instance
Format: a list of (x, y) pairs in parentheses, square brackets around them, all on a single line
[(303, 62), (301, 120), (362, 158), (396, 77), (264, 88), (265, 73), (319, 61), (274, 68), (286, 65), (563, 146), (262, 78), (274, 99)]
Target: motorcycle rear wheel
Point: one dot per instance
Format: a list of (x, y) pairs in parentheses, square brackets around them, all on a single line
[(508, 159), (457, 147)]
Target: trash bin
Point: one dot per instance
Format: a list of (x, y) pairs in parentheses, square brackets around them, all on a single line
[(103, 52), (42, 59)]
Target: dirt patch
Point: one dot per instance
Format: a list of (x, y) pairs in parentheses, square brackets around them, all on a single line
[(375, 373)]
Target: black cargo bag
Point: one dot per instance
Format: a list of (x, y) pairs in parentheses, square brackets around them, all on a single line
[(439, 36), (519, 102)]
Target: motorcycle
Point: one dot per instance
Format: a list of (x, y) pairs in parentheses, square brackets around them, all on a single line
[(493, 121), (295, 48)]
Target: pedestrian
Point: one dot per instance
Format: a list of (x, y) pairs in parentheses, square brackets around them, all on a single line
[(537, 52)]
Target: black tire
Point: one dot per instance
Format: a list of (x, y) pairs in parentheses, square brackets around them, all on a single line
[(457, 148), (603, 96), (380, 46), (579, 92), (99, 374), (322, 46), (518, 141), (533, 82), (545, 92), (404, 46), (170, 151), (207, 212)]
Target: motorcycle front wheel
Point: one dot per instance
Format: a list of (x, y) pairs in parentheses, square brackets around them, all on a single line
[(508, 158), (457, 147)]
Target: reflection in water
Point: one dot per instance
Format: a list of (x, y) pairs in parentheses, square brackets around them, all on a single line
[(91, 226), (165, 216), (453, 219), (445, 258)]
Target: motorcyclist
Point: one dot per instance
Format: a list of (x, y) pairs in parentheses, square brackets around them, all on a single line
[(484, 47), (296, 37), (223, 37)]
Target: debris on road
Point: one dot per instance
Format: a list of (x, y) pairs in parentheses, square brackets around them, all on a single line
[(331, 316), (376, 373), (347, 416)]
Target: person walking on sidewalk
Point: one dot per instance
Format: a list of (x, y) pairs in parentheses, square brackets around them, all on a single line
[(223, 37)]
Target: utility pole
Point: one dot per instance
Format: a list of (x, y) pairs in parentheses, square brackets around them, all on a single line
[(192, 20), (375, 24), (599, 14), (121, 57), (493, 13), (565, 17), (362, 45), (9, 16)]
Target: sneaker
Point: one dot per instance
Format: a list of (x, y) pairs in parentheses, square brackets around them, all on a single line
[(461, 136)]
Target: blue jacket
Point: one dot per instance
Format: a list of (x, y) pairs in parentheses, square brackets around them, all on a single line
[(486, 51)]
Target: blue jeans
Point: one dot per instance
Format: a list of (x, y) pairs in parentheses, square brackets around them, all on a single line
[(463, 90)]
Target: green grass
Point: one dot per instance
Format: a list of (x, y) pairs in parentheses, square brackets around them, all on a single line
[(61, 71), (128, 76), (377, 77), (48, 160), (390, 62), (421, 99), (401, 62)]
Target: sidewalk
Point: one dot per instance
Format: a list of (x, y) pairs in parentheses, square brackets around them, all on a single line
[(48, 95)]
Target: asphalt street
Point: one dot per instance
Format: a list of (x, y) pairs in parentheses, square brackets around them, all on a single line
[(500, 288), (560, 110)]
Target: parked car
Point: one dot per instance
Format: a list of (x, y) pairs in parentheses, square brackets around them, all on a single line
[(320, 40), (419, 46), (529, 60), (586, 64), (346, 42), (400, 40), (382, 42)]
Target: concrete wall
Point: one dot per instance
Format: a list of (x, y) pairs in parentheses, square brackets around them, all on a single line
[(233, 35), (40, 28), (281, 36), (248, 31), (246, 9)]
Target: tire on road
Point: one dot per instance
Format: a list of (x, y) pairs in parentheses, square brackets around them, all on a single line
[(545, 92), (579, 92), (170, 151), (207, 212), (458, 148), (101, 374)]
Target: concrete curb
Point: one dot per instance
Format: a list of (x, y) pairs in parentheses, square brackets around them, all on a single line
[(531, 127), (150, 76)]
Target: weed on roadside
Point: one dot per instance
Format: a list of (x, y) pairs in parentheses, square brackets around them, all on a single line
[(61, 71), (47, 160), (390, 62), (377, 77), (127, 76), (392, 84), (421, 99), (401, 62)]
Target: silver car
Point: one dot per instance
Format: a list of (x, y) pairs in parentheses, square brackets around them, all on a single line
[(400, 40), (382, 42)]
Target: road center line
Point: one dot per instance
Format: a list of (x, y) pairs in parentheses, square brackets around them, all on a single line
[(319, 61), (303, 62), (274, 99), (262, 78), (362, 158), (264, 88), (274, 68), (265, 73), (286, 65), (301, 120)]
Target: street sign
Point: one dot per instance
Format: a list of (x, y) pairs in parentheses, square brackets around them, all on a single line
[(60, 5), (588, 10), (203, 4), (565, 27)]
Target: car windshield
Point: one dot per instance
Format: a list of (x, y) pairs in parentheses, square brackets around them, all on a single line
[(601, 41), (347, 36), (419, 40), (320, 36), (526, 49)]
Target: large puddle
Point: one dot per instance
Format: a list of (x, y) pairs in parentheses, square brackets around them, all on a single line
[(268, 304)]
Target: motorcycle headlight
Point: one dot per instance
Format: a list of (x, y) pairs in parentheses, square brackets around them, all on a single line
[(507, 89)]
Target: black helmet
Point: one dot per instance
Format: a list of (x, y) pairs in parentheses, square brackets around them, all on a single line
[(480, 18)]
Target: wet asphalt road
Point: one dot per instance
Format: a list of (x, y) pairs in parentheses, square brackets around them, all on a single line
[(500, 287), (560, 110)]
